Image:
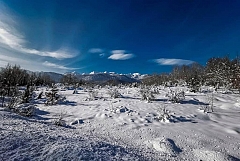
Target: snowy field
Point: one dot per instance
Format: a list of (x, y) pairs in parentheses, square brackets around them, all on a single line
[(125, 128)]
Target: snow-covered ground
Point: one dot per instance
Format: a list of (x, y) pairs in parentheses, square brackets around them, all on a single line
[(125, 128)]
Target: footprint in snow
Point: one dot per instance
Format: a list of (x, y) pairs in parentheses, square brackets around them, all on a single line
[(77, 121), (166, 146)]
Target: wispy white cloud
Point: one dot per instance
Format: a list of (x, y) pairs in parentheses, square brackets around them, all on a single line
[(14, 49), (62, 53), (164, 61), (95, 50), (120, 55), (12, 39), (29, 64), (53, 65), (9, 37)]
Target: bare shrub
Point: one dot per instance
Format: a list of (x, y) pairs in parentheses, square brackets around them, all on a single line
[(114, 93), (147, 94), (3, 94), (27, 95), (175, 96), (209, 106), (92, 94), (13, 102), (19, 102), (164, 114), (60, 121), (53, 97), (155, 90), (25, 109)]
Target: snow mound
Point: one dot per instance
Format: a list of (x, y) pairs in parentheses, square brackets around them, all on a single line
[(166, 146)]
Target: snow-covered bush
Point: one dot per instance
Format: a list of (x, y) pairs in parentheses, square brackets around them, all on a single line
[(114, 93), (25, 109), (53, 97), (155, 90), (147, 94), (194, 84), (27, 94), (19, 103), (61, 99), (92, 94), (59, 121), (2, 95), (163, 114), (175, 96), (209, 106), (13, 102)]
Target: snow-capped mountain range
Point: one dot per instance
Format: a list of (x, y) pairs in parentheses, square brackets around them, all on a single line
[(105, 77), (101, 77)]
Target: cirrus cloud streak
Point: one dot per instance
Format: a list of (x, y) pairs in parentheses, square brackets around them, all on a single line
[(12, 39), (53, 65), (164, 61)]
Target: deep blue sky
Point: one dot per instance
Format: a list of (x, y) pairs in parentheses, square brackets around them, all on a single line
[(123, 36)]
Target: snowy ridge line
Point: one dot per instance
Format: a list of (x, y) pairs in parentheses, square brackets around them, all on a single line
[(97, 77), (102, 78)]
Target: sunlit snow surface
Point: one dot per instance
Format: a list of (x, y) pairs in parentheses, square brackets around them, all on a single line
[(125, 128)]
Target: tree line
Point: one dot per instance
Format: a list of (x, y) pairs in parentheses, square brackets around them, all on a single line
[(13, 76), (218, 72)]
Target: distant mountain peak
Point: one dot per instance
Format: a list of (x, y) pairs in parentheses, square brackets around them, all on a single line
[(99, 77)]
